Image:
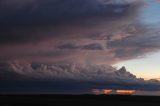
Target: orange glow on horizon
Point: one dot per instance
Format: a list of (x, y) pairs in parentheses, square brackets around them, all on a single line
[(107, 91), (125, 91), (111, 91)]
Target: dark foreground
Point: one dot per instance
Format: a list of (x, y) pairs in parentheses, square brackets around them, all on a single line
[(78, 100)]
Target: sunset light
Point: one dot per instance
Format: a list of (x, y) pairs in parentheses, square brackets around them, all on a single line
[(111, 91), (107, 91), (125, 91)]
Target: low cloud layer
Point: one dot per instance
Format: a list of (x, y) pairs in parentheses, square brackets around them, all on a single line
[(69, 76)]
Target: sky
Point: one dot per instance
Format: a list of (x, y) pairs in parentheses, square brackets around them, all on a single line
[(142, 67), (148, 66), (73, 46)]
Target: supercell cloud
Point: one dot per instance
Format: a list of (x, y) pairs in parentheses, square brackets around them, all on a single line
[(57, 40)]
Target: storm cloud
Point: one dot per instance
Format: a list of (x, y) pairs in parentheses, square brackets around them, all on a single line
[(69, 77), (37, 19), (46, 29), (65, 42), (94, 46)]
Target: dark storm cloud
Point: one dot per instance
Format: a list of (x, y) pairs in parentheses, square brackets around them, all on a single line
[(67, 77), (57, 11), (76, 72), (46, 25), (63, 20), (23, 20), (105, 31), (72, 46)]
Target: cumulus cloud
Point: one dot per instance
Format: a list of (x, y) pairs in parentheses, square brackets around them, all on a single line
[(97, 76)]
